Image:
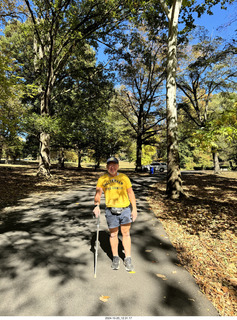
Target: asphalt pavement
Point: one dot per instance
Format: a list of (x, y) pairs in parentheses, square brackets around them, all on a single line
[(47, 249)]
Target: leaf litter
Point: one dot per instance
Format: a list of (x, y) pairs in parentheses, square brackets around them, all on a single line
[(202, 227)]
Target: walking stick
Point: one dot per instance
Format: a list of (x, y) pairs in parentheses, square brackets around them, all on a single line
[(96, 247)]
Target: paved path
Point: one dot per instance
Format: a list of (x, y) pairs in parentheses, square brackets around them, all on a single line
[(47, 262)]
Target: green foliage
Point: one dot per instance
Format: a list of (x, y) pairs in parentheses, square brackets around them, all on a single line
[(34, 124), (13, 89), (109, 136), (31, 146), (4, 81), (206, 68), (71, 156), (47, 66), (11, 9), (48, 47), (202, 159), (13, 148), (148, 154), (222, 121), (130, 148), (219, 134)]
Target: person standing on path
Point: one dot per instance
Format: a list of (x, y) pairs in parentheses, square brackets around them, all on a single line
[(120, 210)]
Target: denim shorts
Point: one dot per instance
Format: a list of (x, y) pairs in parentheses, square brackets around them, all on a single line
[(115, 220)]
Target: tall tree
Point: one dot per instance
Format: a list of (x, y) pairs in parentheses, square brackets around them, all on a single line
[(211, 68), (174, 185), (87, 91), (220, 132), (138, 62), (59, 26), (169, 13)]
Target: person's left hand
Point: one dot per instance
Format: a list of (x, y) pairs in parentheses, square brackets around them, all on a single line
[(134, 215)]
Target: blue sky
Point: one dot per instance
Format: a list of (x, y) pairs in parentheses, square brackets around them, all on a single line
[(220, 18), (214, 23)]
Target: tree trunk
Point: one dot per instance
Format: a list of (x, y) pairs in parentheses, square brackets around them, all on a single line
[(7, 158), (215, 161), (1, 148), (174, 183), (44, 96), (44, 163), (140, 124), (61, 159), (79, 153), (97, 165), (139, 154)]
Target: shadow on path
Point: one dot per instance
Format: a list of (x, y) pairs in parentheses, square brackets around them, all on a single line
[(104, 244), (46, 262), (46, 233)]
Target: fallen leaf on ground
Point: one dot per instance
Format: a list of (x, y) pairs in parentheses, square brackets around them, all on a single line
[(162, 276), (104, 298)]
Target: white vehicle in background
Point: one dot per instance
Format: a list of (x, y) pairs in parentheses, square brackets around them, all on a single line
[(157, 166)]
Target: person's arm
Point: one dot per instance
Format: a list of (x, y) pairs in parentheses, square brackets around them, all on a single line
[(97, 198), (132, 199)]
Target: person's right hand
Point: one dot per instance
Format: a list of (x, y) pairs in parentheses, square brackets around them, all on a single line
[(96, 211)]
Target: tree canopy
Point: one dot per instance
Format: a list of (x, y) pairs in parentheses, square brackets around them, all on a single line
[(67, 100)]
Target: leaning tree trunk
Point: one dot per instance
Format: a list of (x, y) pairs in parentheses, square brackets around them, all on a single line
[(174, 183)]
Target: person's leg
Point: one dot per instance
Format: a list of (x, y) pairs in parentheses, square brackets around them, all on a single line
[(114, 248), (125, 230), (114, 240)]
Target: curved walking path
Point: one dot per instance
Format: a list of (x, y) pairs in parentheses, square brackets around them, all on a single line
[(47, 262)]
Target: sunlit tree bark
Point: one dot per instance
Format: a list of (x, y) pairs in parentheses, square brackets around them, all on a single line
[(174, 184)]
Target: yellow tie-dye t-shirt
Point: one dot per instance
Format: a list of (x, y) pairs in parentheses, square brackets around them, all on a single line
[(115, 190)]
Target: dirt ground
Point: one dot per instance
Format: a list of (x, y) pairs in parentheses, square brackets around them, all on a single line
[(201, 226)]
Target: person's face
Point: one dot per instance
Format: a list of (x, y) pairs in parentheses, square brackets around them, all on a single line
[(112, 168)]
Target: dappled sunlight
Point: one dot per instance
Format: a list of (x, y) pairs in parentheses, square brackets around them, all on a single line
[(202, 227), (47, 259), (217, 187)]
